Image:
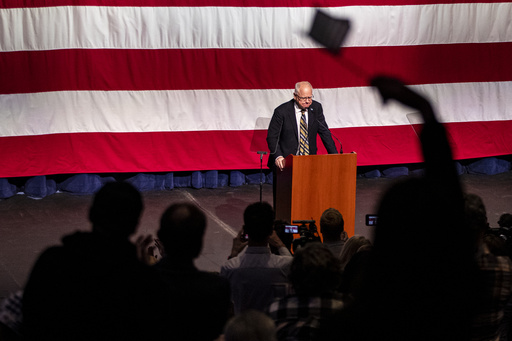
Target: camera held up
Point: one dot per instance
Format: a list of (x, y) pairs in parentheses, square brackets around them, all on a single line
[(307, 234)]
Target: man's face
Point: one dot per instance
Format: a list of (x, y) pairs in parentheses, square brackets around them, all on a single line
[(304, 97)]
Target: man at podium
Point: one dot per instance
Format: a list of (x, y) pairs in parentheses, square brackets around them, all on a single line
[(294, 127)]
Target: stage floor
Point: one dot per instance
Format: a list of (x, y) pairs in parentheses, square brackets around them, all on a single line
[(28, 226)]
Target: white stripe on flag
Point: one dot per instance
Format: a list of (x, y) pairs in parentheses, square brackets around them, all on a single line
[(210, 110), (66, 27)]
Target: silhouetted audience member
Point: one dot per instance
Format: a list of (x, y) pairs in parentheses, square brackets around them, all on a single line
[(201, 301), (332, 227), (505, 232), (420, 279), (251, 325), (423, 273), (315, 275), (496, 272), (505, 221), (256, 275), (353, 275), (353, 245), (93, 287)]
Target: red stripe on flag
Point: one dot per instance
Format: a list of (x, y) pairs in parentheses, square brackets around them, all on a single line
[(224, 3), (400, 144), (175, 69), (213, 150)]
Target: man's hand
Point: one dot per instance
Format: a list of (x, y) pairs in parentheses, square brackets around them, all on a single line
[(280, 162), (160, 248), (239, 243), (392, 88), (145, 251), (275, 241)]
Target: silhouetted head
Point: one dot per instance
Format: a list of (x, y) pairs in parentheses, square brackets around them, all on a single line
[(475, 215), (352, 246), (505, 220), (315, 270), (116, 210), (250, 325), (331, 224), (259, 221), (354, 273), (417, 218), (181, 232)]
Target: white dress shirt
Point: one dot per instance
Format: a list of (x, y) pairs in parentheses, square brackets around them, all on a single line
[(257, 277)]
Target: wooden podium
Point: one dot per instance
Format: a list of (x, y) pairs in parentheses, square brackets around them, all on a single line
[(308, 185)]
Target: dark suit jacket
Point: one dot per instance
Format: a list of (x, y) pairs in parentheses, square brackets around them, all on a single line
[(282, 135)]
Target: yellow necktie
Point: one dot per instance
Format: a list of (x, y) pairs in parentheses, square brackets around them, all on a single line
[(304, 143)]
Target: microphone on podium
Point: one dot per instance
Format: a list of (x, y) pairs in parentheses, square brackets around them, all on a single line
[(326, 127)]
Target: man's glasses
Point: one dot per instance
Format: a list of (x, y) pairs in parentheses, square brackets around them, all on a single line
[(304, 99)]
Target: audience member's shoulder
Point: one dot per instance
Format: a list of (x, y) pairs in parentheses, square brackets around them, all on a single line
[(56, 251), (281, 262), (284, 259), (215, 281), (212, 277), (51, 259), (230, 264)]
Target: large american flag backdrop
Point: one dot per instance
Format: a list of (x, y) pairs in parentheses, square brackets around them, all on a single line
[(96, 86)]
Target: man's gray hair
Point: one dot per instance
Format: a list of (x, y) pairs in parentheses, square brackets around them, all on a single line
[(298, 85)]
